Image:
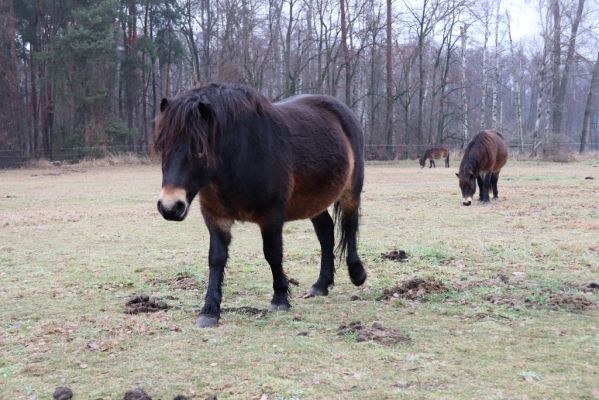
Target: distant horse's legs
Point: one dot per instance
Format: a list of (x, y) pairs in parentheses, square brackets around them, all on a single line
[(447, 161), (272, 244), (479, 180), (220, 237), (432, 163), (486, 187), (325, 231), (494, 179)]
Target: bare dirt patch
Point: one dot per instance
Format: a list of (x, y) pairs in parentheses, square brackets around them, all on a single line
[(145, 304), (245, 310), (376, 333), (414, 289), (181, 281), (395, 255)]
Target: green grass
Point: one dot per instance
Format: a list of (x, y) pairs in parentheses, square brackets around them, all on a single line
[(76, 243)]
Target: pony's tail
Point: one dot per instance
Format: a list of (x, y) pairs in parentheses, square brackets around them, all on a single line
[(340, 221)]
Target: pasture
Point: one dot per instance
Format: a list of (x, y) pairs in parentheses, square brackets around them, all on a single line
[(504, 310)]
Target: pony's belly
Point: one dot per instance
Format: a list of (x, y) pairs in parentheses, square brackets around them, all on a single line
[(310, 199)]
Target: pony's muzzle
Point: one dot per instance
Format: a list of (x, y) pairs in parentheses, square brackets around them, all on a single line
[(467, 201), (172, 204)]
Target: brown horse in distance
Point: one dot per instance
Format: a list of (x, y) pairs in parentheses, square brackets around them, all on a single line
[(252, 160), (483, 159), (434, 154)]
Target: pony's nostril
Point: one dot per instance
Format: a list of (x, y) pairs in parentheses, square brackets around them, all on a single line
[(179, 207), (467, 203), (160, 207)]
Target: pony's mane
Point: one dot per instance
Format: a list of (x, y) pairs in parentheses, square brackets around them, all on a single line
[(196, 118)]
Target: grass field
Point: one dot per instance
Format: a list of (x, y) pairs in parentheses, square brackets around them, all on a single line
[(511, 318)]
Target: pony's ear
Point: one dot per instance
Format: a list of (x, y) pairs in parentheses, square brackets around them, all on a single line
[(163, 104)]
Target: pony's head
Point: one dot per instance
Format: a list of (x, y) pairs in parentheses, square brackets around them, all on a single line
[(467, 185), (187, 131), (183, 138)]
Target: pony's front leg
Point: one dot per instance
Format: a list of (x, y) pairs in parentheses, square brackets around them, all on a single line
[(272, 244), (220, 238), (486, 187), (481, 185)]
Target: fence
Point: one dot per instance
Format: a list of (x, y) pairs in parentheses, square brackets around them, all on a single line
[(14, 158)]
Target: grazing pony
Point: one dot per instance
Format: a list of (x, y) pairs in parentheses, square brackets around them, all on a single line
[(251, 160), (483, 159), (434, 154)]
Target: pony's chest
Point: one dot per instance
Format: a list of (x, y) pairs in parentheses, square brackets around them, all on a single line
[(233, 206)]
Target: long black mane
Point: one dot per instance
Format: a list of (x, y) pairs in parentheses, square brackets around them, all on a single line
[(196, 118)]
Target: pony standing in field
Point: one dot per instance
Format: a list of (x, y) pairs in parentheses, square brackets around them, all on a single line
[(251, 160), (483, 159), (434, 154)]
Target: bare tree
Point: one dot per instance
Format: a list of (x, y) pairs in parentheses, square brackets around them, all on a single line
[(593, 89)]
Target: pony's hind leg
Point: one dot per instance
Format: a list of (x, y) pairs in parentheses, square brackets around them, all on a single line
[(272, 244), (349, 213), (325, 231), (494, 179), (220, 237)]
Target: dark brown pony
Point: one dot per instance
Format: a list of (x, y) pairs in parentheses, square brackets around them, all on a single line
[(434, 154), (250, 160), (483, 159)]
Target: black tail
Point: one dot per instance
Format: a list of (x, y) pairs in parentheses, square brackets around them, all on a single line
[(342, 228)]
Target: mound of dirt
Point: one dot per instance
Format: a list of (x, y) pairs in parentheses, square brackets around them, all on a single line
[(144, 304), (136, 394), (414, 289), (395, 255), (547, 299), (62, 393), (569, 301), (376, 332)]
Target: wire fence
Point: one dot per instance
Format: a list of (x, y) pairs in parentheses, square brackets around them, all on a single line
[(70, 155)]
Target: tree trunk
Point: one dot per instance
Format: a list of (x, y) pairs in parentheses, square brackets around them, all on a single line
[(389, 80), (594, 88), (483, 118), (496, 82), (516, 77), (464, 39), (561, 94), (555, 65), (345, 49)]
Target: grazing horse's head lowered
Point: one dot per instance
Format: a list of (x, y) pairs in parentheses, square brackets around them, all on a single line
[(483, 159), (268, 163), (467, 186)]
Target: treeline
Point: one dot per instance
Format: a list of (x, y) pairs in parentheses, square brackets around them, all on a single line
[(88, 75)]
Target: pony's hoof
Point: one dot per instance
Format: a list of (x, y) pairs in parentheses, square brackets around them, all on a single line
[(278, 307), (358, 281), (207, 321), (314, 292)]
